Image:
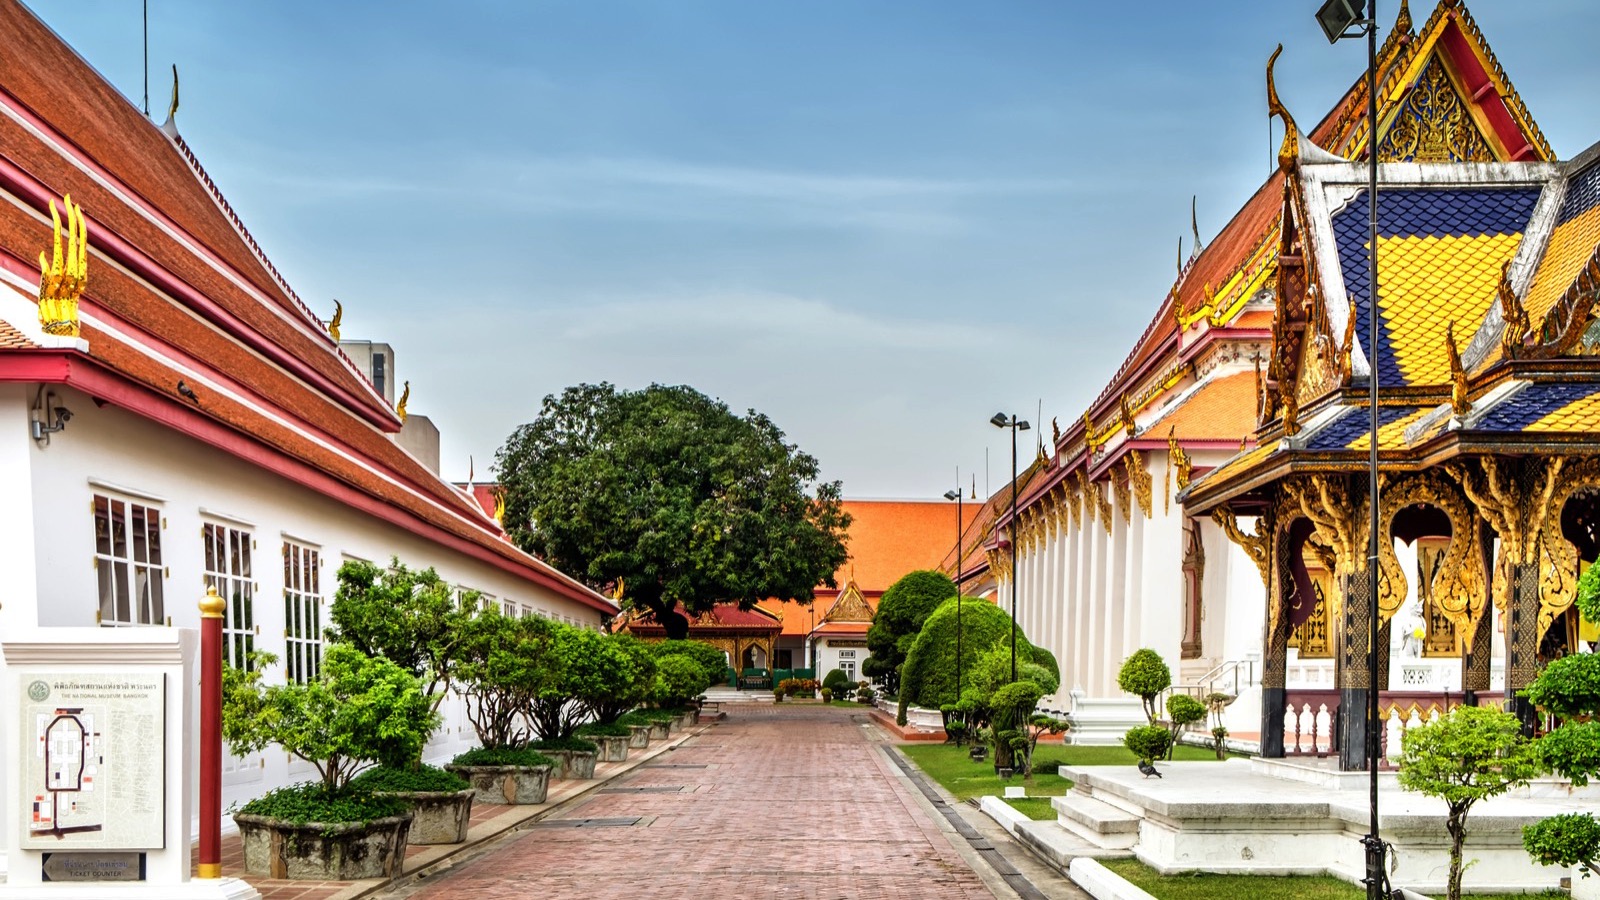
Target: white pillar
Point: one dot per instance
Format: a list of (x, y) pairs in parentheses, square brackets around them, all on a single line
[(1133, 599), (1099, 599), (1116, 599)]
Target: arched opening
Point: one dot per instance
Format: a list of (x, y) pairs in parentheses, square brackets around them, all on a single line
[(754, 657)]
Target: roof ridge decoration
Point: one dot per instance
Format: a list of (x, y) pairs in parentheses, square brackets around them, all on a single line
[(170, 126), (400, 408), (64, 275), (1460, 402), (336, 321), (1497, 74)]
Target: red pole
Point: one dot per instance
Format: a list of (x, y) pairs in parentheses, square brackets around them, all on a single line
[(211, 735)]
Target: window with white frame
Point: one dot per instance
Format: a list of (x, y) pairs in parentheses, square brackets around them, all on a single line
[(127, 561), (228, 569), (302, 611), (509, 608)]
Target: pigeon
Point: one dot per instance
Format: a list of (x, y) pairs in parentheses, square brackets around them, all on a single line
[(187, 392), (1147, 769)]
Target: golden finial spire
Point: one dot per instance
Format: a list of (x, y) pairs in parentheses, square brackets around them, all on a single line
[(1512, 311), (1194, 223), (338, 317), (1290, 150), (405, 395), (1402, 23), (1459, 402), (63, 276)]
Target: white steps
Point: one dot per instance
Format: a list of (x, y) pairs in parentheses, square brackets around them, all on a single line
[(1103, 825)]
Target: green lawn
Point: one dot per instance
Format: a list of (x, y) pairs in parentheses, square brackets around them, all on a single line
[(1196, 886), (949, 765), (1036, 808)]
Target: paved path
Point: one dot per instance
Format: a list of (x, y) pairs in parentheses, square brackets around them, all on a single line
[(784, 801)]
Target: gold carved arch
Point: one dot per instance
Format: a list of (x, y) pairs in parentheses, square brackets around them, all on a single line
[(1558, 558), (1460, 585)]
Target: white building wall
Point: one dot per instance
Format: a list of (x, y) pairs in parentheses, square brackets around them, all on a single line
[(107, 450)]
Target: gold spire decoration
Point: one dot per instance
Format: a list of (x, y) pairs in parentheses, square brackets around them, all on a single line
[(400, 408), (1127, 416), (1055, 431), (338, 317), (500, 510), (1289, 152), (63, 276), (1459, 402), (1179, 459), (1402, 23)]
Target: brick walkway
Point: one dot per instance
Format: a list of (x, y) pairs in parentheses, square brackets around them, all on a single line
[(775, 802)]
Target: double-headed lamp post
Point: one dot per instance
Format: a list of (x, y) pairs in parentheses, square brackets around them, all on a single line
[(1338, 18), (956, 496), (1001, 420)]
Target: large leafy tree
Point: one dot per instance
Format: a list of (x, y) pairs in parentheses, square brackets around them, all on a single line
[(900, 614), (668, 494)]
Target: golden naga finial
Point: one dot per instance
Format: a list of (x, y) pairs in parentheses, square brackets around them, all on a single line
[(1515, 316), (400, 408), (170, 127), (1088, 430), (1402, 23), (1178, 458), (63, 276), (617, 594), (500, 510), (1055, 432), (338, 317), (1194, 224), (1346, 365), (1290, 150), (1180, 254), (1127, 416), (1459, 402)]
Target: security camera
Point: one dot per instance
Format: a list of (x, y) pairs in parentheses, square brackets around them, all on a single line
[(63, 415)]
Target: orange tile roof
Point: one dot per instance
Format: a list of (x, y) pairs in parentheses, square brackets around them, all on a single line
[(889, 538), (1221, 409), (12, 339)]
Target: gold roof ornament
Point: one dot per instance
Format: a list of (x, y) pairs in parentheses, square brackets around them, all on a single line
[(1055, 431), (1460, 404), (1127, 416), (1402, 22), (170, 126), (500, 516), (338, 317), (63, 276), (1179, 459), (1512, 312), (400, 408), (1289, 151)]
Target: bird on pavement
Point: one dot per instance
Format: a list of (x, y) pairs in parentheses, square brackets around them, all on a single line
[(1147, 769)]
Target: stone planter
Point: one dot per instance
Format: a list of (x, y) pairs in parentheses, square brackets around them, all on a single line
[(660, 731), (437, 817), (317, 851), (675, 725), (614, 748), (685, 720), (580, 763), (560, 759), (640, 737), (516, 785)]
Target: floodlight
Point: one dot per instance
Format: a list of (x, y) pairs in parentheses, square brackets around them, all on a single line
[(1337, 16)]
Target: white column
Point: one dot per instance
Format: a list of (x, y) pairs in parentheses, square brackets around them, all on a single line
[(1116, 601), (1099, 597), (1133, 599), (1058, 631), (1088, 580), (19, 607)]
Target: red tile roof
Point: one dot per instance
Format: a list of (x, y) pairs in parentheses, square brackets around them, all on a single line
[(889, 538)]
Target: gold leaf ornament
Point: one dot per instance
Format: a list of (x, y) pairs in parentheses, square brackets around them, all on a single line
[(65, 272)]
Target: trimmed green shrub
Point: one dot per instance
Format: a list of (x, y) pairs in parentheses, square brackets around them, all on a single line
[(928, 677), (599, 729), (1182, 711), (421, 778), (1148, 742), (502, 756), (308, 803), (679, 679), (1145, 675), (1569, 686), (575, 744), (1567, 840), (840, 683), (712, 662), (901, 611)]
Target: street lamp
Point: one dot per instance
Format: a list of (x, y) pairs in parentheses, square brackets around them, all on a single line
[(956, 496), (1001, 420), (1338, 18)]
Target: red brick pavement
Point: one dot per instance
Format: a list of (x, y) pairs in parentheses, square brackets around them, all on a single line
[(793, 802)]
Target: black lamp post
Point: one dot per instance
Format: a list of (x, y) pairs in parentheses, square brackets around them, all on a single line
[(956, 496), (1001, 420), (1338, 18)]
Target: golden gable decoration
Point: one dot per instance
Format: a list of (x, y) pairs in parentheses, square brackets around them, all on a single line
[(64, 275)]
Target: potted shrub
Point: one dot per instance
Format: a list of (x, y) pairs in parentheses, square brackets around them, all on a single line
[(827, 695), (573, 757), (865, 694), (623, 683), (502, 663), (415, 620), (1182, 711), (440, 801), (357, 711), (508, 775), (612, 739), (638, 725), (679, 679)]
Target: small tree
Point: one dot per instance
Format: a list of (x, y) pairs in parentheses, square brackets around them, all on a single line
[(928, 677), (1145, 674), (1038, 727), (1216, 702), (679, 680), (502, 666), (1011, 708), (1469, 755), (1182, 711), (1148, 742), (358, 711), (626, 686), (408, 617), (582, 668), (711, 660), (1569, 688)]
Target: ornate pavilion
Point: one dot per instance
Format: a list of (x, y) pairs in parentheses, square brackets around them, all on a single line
[(1489, 388)]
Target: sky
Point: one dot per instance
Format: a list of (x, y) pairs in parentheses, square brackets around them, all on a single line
[(877, 222)]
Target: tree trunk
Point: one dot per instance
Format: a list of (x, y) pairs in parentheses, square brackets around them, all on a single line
[(1456, 825)]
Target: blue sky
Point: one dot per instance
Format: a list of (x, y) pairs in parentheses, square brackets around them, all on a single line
[(877, 222)]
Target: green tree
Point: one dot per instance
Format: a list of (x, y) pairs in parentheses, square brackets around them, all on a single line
[(1145, 674), (670, 495), (679, 680), (901, 611), (711, 660), (358, 710), (1182, 711), (1148, 742), (408, 617), (503, 663), (1569, 688), (581, 669), (628, 685), (1469, 755), (928, 677), (1012, 708)]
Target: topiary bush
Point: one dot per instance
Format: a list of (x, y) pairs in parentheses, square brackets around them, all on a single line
[(840, 683), (679, 679), (308, 802), (711, 660), (1145, 675), (1569, 686), (603, 729), (1570, 839), (928, 677), (1148, 742), (901, 611), (422, 778), (1182, 711), (501, 756)]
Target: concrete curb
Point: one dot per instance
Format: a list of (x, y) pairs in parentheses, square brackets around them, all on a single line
[(1103, 883), (1008, 816)]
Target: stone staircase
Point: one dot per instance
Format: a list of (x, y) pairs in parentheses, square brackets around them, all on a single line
[(1101, 824), (722, 695)]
